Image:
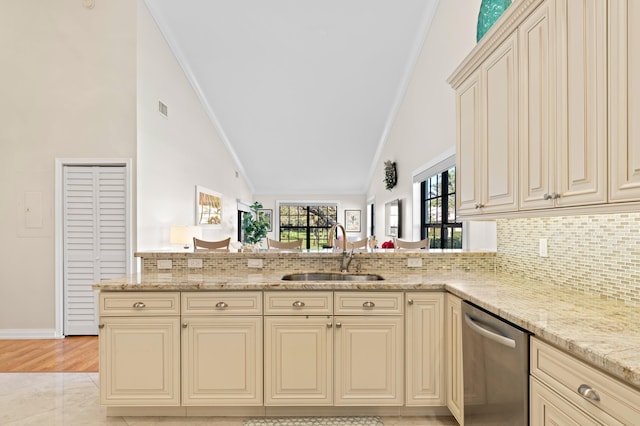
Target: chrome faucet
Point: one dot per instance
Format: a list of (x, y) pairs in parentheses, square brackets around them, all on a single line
[(347, 257)]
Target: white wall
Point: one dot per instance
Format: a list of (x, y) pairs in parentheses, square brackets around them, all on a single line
[(425, 125), (67, 85), (177, 152)]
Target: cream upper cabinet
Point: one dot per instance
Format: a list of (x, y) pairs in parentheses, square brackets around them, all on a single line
[(624, 100), (139, 336), (563, 112), (454, 382), (487, 108), (222, 348), (424, 322)]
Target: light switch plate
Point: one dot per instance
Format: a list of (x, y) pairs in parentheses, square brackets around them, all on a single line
[(414, 262), (165, 264), (543, 248), (194, 263), (254, 263)]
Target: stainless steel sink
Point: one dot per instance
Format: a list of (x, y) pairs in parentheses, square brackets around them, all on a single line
[(331, 276)]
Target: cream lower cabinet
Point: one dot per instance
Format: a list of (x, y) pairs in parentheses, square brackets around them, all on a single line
[(298, 348), (139, 338), (369, 349), (566, 391), (222, 349), (454, 378), (425, 345), (298, 355)]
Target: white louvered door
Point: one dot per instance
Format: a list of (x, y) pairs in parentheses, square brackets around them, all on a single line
[(95, 239)]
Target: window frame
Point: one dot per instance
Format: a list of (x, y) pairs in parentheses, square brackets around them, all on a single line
[(444, 225)]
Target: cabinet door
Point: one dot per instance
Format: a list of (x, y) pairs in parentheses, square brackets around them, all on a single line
[(581, 143), (624, 98), (468, 149), (549, 408), (369, 360), (424, 349), (455, 383), (298, 358), (139, 361), (500, 124), (222, 360), (537, 107)]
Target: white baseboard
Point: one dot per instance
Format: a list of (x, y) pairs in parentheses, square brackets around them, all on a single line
[(29, 333)]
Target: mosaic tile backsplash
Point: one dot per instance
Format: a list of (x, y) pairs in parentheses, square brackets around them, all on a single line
[(597, 254)]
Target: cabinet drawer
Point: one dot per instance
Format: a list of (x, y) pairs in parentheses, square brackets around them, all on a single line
[(139, 303), (222, 303), (566, 374), (298, 303), (368, 303)]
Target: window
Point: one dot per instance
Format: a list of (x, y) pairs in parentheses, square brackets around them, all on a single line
[(438, 195), (311, 223)]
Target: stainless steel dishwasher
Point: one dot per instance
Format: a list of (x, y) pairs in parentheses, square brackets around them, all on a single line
[(495, 369)]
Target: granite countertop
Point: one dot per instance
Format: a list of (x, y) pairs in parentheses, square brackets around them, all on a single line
[(603, 333)]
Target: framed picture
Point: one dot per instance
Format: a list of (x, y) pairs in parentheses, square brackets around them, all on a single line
[(208, 206), (268, 213), (352, 220)]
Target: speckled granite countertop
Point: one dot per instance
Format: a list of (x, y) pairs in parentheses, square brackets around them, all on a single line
[(606, 334)]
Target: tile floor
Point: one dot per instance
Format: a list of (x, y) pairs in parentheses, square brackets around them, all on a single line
[(71, 399)]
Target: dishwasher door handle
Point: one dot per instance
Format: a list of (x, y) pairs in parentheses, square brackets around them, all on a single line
[(498, 338)]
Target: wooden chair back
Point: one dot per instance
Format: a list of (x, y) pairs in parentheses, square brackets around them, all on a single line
[(222, 245), (411, 245), (289, 245)]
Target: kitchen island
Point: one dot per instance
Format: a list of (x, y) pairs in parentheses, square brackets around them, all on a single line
[(601, 333)]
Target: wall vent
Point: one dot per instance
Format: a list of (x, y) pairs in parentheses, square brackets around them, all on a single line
[(162, 108)]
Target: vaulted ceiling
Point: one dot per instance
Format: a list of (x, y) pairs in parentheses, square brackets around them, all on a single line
[(303, 92)]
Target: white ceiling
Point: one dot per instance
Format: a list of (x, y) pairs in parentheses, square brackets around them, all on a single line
[(302, 91)]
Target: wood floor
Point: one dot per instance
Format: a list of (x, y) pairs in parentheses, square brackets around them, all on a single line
[(75, 354)]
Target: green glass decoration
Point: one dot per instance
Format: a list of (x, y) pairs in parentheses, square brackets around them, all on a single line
[(490, 11)]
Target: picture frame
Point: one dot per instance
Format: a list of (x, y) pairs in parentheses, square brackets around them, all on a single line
[(268, 213), (352, 220), (208, 207)]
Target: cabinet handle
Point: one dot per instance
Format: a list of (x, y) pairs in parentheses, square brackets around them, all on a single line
[(368, 305), (555, 196), (479, 205), (329, 325), (588, 392), (185, 325), (298, 304), (139, 305), (100, 326), (338, 325), (410, 301), (221, 305)]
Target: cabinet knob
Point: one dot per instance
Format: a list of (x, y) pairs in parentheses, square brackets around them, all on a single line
[(588, 392), (410, 301), (479, 205), (338, 325), (139, 305), (329, 325), (185, 325), (298, 304), (100, 326), (555, 195), (221, 305), (368, 305)]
